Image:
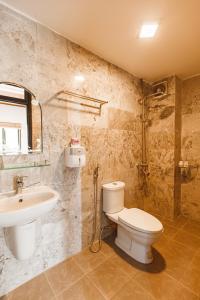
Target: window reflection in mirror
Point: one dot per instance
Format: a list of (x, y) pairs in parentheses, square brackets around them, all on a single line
[(20, 121)]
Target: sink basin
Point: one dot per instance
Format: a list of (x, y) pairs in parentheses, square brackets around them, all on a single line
[(19, 209)]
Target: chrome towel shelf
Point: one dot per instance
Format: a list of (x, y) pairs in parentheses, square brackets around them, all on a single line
[(78, 99)]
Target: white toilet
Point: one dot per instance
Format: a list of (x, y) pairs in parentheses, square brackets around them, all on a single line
[(137, 230)]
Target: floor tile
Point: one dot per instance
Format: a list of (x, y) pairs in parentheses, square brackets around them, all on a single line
[(37, 288), (191, 279), (177, 257), (191, 276), (112, 274), (161, 243), (108, 278), (192, 227), (169, 231), (81, 290), (107, 249), (188, 239), (163, 287), (88, 261), (64, 275), (125, 263), (196, 259), (132, 290)]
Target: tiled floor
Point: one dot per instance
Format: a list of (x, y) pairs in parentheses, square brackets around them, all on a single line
[(110, 274)]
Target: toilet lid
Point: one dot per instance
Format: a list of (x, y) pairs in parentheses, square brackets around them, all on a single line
[(140, 220)]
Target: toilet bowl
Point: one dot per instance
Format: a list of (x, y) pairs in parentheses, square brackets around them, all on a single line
[(137, 230)]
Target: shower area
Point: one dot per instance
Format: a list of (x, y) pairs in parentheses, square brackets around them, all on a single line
[(159, 174), (169, 167), (156, 91)]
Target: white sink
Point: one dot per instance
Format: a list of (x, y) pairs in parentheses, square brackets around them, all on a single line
[(19, 209)]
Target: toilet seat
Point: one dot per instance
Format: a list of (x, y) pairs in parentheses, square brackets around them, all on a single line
[(140, 220)]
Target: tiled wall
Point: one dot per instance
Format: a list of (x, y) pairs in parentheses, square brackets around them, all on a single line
[(190, 200), (173, 134), (45, 62), (163, 148)]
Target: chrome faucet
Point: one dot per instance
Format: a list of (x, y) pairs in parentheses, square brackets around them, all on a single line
[(19, 181)]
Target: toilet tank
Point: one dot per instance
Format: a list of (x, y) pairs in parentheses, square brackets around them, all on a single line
[(113, 197)]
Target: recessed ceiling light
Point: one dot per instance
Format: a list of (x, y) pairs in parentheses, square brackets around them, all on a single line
[(148, 30), (79, 77)]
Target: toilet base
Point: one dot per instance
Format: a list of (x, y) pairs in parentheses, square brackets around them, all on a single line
[(138, 251)]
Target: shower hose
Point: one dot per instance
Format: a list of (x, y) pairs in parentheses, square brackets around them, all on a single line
[(95, 245)]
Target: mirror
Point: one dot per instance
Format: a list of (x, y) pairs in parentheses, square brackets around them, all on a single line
[(20, 120)]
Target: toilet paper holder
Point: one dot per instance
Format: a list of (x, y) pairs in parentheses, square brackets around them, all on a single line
[(75, 157), (186, 170)]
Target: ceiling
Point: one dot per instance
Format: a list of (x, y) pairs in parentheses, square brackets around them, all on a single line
[(109, 28)]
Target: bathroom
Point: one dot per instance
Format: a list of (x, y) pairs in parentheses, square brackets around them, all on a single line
[(132, 106)]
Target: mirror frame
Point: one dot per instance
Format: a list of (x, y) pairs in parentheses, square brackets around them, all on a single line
[(40, 107)]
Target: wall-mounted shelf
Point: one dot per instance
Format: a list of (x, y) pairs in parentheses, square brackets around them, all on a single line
[(93, 105), (39, 164)]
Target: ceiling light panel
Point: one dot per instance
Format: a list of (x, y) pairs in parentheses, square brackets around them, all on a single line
[(148, 30)]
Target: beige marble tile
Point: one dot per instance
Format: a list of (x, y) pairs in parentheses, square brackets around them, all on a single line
[(108, 278), (174, 273), (161, 243), (192, 227), (63, 275), (188, 239), (191, 278), (132, 290), (38, 288), (125, 263), (191, 274), (190, 189), (121, 119), (82, 290), (169, 231), (107, 249), (88, 261), (177, 257), (163, 287)]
